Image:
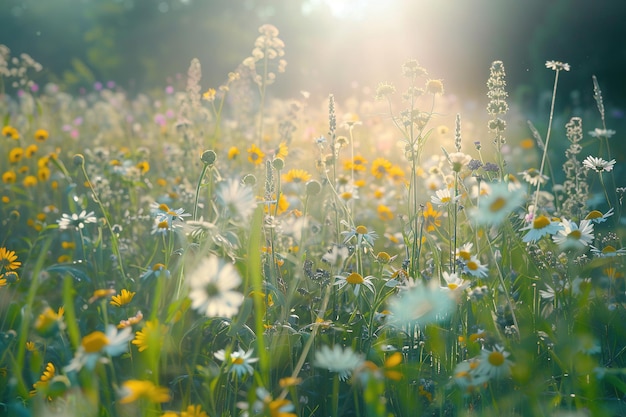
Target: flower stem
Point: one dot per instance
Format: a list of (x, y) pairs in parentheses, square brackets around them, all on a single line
[(545, 148)]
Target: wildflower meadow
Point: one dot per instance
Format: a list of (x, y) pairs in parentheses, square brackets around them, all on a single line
[(217, 251)]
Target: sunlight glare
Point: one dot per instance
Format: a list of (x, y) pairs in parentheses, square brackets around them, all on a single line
[(352, 9)]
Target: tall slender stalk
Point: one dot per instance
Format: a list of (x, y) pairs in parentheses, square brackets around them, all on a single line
[(557, 69)]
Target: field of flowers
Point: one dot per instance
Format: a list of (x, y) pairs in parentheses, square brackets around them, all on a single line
[(205, 251)]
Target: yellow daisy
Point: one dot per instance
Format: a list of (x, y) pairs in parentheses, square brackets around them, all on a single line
[(123, 298)]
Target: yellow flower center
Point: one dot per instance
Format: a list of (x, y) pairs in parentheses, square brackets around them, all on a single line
[(574, 234), (445, 199), (595, 214), (94, 342), (497, 204), (496, 358), (237, 361), (541, 222), (164, 207), (465, 255), (608, 249), (361, 230), (355, 278), (383, 257), (472, 265), (453, 286)]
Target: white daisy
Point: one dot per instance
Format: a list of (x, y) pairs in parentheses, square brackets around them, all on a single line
[(607, 252), (557, 65), (212, 286), (582, 286), (361, 234), (162, 212), (540, 227), (495, 207), (464, 252), (475, 268), (337, 359), (597, 216), (236, 199), (97, 346), (239, 361), (598, 164), (494, 363), (355, 279), (602, 133), (533, 177), (458, 160), (465, 375), (443, 197), (512, 182), (572, 236), (77, 221), (454, 283), (420, 304)]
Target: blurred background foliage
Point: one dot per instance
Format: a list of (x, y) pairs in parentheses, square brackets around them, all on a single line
[(331, 45)]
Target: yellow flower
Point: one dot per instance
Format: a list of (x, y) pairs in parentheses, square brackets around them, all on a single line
[(10, 132), (101, 293), (29, 181), (3, 281), (431, 218), (392, 361), (30, 346), (281, 151), (209, 95), (297, 176), (151, 336), (396, 174), (41, 135), (193, 411), (94, 342), (30, 150), (278, 407), (283, 205), (68, 245), (8, 260), (384, 212), (143, 167), (289, 382), (45, 378), (527, 143), (49, 321), (255, 155), (43, 174), (233, 152), (15, 155), (356, 164), (64, 259), (9, 177), (380, 167), (434, 87), (43, 161), (136, 389), (124, 298)]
